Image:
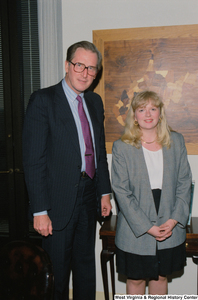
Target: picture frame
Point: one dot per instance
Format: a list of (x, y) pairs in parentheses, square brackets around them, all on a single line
[(163, 59)]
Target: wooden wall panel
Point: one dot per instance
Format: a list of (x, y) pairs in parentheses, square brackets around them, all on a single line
[(162, 59)]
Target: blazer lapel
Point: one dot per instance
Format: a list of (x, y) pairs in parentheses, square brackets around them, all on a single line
[(166, 179), (145, 180), (143, 168)]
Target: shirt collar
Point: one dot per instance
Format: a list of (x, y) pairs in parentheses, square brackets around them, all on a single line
[(70, 94)]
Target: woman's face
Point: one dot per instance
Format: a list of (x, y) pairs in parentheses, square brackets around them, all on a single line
[(147, 116)]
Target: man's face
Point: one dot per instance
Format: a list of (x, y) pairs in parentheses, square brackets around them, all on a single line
[(79, 82)]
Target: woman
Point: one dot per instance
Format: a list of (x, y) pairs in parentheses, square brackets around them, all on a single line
[(151, 179)]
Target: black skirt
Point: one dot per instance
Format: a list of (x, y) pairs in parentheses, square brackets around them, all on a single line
[(165, 262)]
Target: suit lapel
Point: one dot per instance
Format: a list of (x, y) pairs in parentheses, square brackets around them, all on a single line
[(95, 124), (64, 113)]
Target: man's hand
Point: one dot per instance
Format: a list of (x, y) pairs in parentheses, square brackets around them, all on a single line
[(105, 205), (43, 225)]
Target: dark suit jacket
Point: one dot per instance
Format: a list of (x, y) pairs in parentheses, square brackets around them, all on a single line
[(51, 152)]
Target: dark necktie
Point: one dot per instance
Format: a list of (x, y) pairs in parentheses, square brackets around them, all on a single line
[(89, 152)]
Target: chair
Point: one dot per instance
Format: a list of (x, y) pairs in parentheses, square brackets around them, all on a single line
[(25, 272)]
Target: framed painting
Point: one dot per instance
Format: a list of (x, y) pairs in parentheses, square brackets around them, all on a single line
[(162, 59)]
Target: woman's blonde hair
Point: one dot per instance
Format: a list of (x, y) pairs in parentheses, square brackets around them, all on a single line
[(132, 133)]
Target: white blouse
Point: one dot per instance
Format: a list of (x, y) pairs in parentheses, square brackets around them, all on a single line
[(154, 163)]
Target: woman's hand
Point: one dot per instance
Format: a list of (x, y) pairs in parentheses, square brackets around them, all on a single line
[(163, 231), (159, 233), (171, 223)]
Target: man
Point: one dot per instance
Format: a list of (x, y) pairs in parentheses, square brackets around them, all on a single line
[(62, 189)]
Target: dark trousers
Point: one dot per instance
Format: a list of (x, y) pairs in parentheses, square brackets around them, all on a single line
[(73, 248)]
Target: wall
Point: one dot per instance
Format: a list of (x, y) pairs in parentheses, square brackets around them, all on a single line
[(80, 18)]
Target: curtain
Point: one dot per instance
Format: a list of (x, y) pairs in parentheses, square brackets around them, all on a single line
[(50, 41)]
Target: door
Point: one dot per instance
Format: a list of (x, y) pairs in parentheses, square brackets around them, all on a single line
[(19, 76)]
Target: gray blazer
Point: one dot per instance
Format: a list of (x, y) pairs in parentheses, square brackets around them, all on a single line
[(131, 185)]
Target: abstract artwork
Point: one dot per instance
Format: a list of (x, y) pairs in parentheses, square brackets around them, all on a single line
[(161, 59)]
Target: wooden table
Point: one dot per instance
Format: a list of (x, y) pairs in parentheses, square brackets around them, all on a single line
[(107, 234)]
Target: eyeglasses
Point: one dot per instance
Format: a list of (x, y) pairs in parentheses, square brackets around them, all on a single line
[(79, 68)]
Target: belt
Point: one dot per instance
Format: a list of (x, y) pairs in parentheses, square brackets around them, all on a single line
[(83, 174)]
